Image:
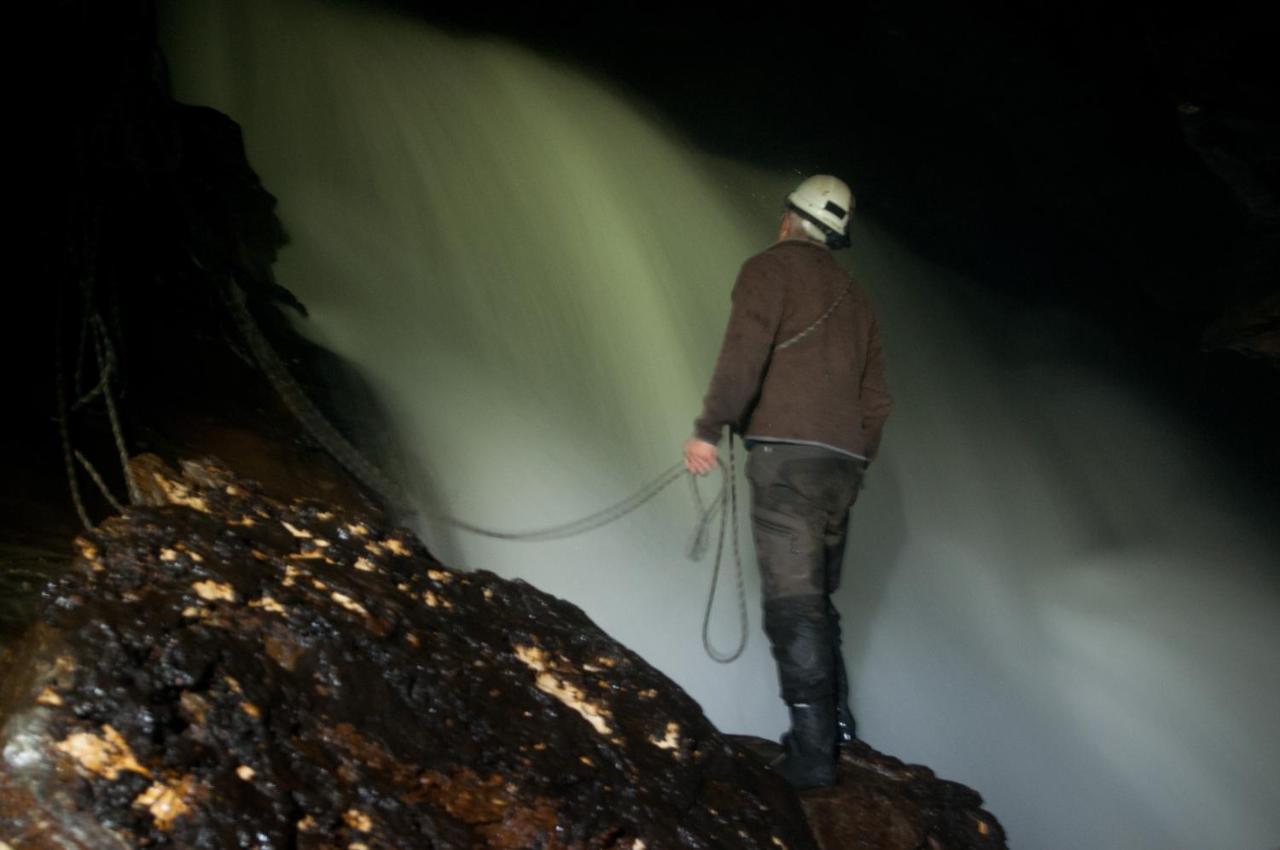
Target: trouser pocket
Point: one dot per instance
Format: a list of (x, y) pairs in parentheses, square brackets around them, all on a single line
[(790, 554)]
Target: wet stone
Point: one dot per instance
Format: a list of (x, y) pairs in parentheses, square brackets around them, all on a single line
[(311, 679), (881, 803)]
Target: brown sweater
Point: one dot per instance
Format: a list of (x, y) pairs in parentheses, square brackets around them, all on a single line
[(828, 388)]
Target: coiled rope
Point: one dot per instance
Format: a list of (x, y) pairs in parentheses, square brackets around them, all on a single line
[(728, 495)]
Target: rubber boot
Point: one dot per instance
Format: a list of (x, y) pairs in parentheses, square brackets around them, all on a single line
[(809, 749), (846, 728)]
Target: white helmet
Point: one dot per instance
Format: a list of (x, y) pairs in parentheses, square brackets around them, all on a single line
[(825, 204)]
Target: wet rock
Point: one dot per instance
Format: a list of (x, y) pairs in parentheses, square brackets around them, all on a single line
[(880, 803), (219, 669)]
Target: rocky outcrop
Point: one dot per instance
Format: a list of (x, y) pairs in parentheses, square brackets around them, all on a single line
[(880, 803), (220, 669)]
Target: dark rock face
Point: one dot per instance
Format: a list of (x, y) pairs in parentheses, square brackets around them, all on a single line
[(880, 803), (223, 670)]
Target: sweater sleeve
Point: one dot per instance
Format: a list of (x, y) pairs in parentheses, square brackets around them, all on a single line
[(759, 295), (877, 404)]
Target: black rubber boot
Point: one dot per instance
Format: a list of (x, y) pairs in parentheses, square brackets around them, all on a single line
[(846, 728), (809, 749)]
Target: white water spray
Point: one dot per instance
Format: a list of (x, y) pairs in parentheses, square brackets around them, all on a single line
[(1052, 593)]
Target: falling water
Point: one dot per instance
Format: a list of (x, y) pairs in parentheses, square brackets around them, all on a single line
[(1056, 592)]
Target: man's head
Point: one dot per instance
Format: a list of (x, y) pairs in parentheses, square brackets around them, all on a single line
[(819, 210)]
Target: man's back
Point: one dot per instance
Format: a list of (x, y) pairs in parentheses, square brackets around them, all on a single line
[(827, 387)]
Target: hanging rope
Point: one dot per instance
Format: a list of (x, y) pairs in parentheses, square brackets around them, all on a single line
[(310, 416), (728, 495), (712, 652), (64, 429), (294, 398)]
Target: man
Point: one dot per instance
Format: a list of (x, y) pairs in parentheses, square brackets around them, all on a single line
[(801, 376)]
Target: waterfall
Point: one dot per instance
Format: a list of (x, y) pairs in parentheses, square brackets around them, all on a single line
[(1056, 591)]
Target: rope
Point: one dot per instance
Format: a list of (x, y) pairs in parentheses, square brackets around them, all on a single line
[(300, 406), (813, 327), (64, 430), (590, 522), (97, 479), (728, 495), (315, 422), (713, 653), (106, 357)]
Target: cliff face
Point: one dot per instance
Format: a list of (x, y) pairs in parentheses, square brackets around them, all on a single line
[(221, 669)]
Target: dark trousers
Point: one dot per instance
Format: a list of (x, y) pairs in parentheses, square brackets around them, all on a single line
[(800, 501)]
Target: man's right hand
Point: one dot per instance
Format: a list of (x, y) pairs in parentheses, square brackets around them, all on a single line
[(699, 456)]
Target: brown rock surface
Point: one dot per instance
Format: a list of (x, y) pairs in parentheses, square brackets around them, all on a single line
[(880, 803), (219, 669)]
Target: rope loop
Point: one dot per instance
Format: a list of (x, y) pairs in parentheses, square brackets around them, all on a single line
[(728, 495)]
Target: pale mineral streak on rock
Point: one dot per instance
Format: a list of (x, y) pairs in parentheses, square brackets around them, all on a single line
[(348, 603), (571, 695), (213, 591), (357, 819), (177, 493), (165, 802), (669, 741), (87, 550), (266, 603), (295, 531), (194, 707), (105, 755)]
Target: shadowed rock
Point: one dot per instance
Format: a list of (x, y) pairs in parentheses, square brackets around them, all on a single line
[(880, 803), (220, 669)]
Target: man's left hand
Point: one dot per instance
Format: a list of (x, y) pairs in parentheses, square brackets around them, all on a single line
[(699, 456)]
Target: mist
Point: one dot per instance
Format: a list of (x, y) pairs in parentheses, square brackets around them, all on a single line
[(1056, 591)]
